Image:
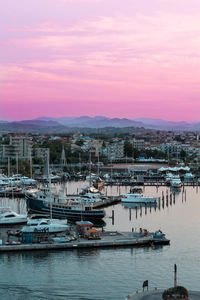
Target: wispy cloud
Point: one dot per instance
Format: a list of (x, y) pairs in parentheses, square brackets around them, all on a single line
[(147, 57)]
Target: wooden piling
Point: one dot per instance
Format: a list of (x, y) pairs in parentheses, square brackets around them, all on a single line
[(113, 217)]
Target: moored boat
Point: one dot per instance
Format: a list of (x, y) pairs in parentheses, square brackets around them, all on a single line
[(45, 225), (62, 207), (137, 198), (176, 182), (9, 217)]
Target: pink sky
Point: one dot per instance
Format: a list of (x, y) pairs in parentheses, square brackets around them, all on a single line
[(115, 58)]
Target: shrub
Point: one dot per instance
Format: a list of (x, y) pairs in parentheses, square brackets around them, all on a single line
[(175, 292)]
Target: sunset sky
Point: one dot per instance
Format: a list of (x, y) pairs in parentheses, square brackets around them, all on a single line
[(117, 58)]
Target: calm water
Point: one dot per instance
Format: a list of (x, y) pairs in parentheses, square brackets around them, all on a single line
[(111, 273)]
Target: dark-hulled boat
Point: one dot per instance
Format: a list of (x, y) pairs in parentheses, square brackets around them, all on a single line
[(43, 202)]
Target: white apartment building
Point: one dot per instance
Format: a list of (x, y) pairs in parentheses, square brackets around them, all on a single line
[(20, 146)]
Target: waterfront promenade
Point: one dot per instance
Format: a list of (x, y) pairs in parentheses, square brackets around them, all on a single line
[(157, 295)]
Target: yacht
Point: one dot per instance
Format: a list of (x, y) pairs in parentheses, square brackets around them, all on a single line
[(45, 225), (168, 178), (91, 177), (137, 198), (188, 177), (27, 181), (7, 216), (176, 182)]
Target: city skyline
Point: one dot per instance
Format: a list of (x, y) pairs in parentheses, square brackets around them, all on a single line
[(89, 57)]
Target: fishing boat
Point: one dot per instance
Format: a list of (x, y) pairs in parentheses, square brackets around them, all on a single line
[(61, 207)]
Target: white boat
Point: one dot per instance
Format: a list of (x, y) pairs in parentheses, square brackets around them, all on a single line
[(35, 221), (176, 182), (91, 197), (7, 216), (168, 177), (137, 198), (27, 181), (91, 177), (45, 225), (188, 177)]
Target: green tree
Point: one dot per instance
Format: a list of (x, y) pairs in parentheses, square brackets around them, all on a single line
[(128, 149)]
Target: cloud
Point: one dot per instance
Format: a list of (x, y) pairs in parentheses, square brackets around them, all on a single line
[(145, 58)]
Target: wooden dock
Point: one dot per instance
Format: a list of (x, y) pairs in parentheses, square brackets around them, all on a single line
[(108, 239), (108, 202)]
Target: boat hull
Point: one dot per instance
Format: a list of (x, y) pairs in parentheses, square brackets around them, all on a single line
[(12, 221), (45, 228), (139, 200), (36, 206)]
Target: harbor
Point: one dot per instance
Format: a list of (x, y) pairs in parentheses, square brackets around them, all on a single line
[(115, 256)]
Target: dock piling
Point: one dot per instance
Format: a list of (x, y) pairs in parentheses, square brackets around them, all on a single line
[(113, 217)]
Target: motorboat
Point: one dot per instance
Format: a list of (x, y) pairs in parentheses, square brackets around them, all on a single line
[(188, 177), (137, 198), (45, 225), (168, 178), (176, 182), (92, 177), (7, 216), (36, 219), (27, 181)]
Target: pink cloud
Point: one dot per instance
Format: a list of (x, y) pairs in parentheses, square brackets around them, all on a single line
[(134, 66)]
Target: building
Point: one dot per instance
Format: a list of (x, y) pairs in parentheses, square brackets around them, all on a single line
[(40, 153), (138, 144), (20, 146), (114, 150)]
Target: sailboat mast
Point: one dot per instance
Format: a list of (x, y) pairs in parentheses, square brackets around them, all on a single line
[(90, 168)]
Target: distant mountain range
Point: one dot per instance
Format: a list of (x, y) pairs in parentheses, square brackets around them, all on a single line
[(101, 122), (49, 124)]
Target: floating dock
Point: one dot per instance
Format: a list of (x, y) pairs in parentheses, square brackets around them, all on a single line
[(107, 239)]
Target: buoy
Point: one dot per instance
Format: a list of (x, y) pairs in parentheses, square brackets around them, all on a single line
[(136, 292), (156, 288)]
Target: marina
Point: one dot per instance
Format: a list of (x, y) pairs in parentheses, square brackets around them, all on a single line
[(110, 262)]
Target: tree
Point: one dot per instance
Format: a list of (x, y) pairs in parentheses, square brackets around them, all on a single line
[(183, 154), (128, 149)]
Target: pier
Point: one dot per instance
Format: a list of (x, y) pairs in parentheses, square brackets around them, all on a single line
[(107, 202), (107, 239)]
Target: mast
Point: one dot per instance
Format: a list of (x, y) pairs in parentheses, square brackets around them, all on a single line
[(31, 171), (17, 165), (98, 164), (90, 167), (8, 166)]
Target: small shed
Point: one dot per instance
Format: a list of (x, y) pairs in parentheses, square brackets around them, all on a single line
[(83, 227)]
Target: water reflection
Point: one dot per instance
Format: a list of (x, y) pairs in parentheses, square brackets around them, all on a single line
[(112, 273)]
